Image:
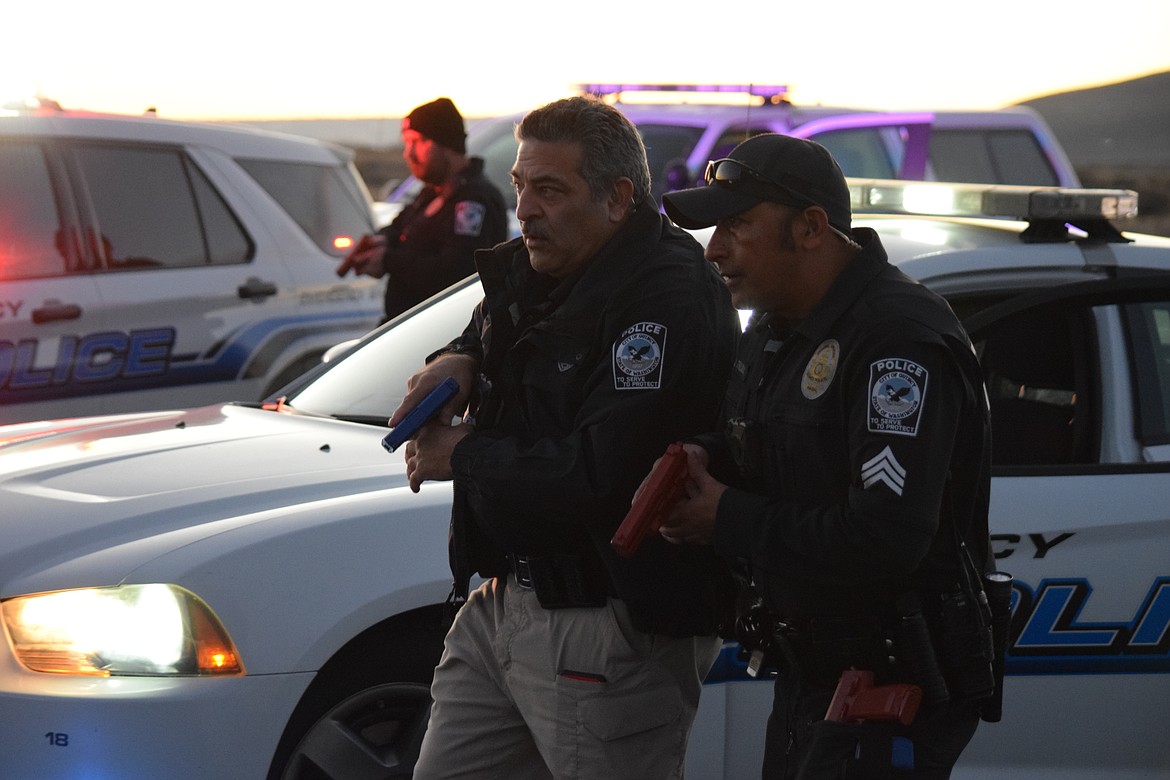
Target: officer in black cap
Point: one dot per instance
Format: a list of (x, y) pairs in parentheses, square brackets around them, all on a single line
[(850, 487), (431, 243)]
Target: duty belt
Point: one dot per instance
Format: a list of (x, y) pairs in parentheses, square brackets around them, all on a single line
[(521, 571), (559, 581)]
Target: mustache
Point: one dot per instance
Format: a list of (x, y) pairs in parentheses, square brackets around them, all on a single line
[(539, 231)]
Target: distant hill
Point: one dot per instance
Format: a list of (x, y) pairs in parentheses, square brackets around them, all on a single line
[(1124, 124)]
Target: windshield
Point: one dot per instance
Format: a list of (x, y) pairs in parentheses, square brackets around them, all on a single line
[(370, 382)]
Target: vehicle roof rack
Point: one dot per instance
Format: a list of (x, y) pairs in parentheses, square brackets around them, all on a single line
[(768, 93), (1050, 211)]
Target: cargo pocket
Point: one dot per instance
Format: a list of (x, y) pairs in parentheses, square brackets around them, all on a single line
[(634, 735), (610, 718)]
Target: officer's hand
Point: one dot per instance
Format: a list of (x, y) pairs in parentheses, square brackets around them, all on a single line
[(461, 367), (365, 258), (692, 521), (428, 454)]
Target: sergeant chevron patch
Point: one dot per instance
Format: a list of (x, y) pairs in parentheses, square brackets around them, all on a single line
[(883, 467)]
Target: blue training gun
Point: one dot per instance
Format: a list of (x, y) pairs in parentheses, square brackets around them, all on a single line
[(663, 490), (421, 414)]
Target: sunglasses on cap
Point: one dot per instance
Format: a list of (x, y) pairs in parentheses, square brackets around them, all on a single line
[(734, 175)]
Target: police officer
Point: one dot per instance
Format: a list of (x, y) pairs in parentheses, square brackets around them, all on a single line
[(850, 487), (602, 337), (431, 243)]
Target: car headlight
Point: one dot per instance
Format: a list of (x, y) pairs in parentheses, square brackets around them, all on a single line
[(125, 630)]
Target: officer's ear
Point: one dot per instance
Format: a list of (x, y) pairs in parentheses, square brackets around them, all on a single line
[(812, 227), (621, 199)]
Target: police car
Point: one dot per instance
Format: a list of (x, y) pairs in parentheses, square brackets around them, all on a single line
[(252, 590), (147, 263), (704, 122)]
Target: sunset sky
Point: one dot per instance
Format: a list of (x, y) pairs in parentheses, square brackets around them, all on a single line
[(257, 59)]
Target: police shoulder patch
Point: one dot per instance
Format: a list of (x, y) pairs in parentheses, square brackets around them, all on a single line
[(469, 216), (897, 392), (637, 357)]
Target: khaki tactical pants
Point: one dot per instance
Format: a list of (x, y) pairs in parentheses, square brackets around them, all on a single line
[(527, 692)]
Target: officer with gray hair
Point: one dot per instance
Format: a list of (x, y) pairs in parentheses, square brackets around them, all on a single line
[(602, 337)]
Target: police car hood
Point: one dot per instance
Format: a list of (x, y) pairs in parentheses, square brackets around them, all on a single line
[(74, 488)]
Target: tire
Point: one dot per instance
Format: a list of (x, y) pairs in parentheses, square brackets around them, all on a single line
[(375, 734), (365, 714)]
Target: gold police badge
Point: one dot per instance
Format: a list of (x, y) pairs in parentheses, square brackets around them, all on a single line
[(818, 374)]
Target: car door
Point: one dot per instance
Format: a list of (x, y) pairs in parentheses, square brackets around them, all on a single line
[(189, 291), (49, 304), (1078, 379)]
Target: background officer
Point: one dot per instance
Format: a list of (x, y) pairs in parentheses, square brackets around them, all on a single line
[(602, 336), (431, 243), (851, 485)]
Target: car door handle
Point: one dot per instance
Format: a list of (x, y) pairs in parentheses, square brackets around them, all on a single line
[(54, 310), (256, 288)]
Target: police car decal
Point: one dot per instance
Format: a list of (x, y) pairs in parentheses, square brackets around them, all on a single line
[(143, 359), (818, 374), (469, 216), (637, 357), (897, 390), (1049, 636)]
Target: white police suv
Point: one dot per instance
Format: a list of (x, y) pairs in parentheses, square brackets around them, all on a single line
[(704, 122), (252, 590), (147, 263)]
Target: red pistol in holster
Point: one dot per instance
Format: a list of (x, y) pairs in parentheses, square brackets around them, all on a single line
[(857, 699), (662, 491)]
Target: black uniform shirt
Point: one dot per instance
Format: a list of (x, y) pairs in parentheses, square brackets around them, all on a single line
[(591, 378), (859, 417), (426, 253)]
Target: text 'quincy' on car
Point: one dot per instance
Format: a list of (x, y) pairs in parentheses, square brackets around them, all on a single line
[(252, 590), (147, 263)]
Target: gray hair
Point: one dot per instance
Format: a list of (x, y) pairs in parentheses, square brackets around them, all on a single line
[(612, 147)]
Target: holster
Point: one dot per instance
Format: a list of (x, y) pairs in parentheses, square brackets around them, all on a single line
[(855, 751)]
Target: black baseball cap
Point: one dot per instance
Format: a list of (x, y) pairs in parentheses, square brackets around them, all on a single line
[(769, 167)]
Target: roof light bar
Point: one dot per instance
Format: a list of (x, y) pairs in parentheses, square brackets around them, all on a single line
[(990, 200), (766, 91)]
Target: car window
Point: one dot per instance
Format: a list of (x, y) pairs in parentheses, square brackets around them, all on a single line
[(733, 137), (155, 209), (31, 236), (860, 152), (494, 141), (1036, 368), (668, 147), (316, 197), (1149, 327), (989, 156)]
